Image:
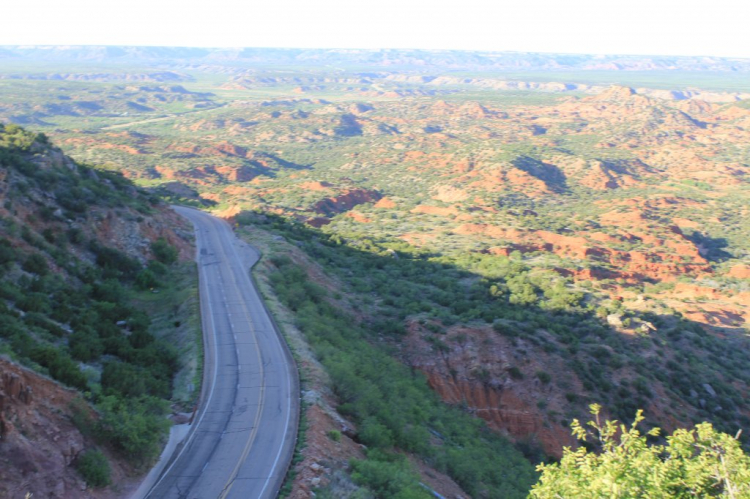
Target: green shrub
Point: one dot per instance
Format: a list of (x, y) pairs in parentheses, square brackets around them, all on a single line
[(84, 344), (135, 427), (699, 462), (544, 377), (60, 365), (7, 252), (164, 252), (114, 263), (388, 476), (36, 264), (94, 468), (146, 279)]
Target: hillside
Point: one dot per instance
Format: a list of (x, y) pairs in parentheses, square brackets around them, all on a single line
[(82, 253)]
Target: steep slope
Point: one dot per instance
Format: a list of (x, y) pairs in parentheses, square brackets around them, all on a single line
[(74, 244)]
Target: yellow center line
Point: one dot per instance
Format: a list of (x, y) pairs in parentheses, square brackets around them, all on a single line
[(253, 434)]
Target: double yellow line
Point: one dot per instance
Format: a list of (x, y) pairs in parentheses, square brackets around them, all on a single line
[(246, 450)]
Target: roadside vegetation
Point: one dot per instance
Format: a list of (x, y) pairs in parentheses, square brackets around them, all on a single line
[(80, 311), (394, 407)]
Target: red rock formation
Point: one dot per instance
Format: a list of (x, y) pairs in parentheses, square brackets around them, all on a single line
[(474, 374), (739, 271), (346, 201), (385, 203), (237, 173), (436, 210), (38, 441)]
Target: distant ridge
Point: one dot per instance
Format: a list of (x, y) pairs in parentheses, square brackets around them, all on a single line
[(385, 58)]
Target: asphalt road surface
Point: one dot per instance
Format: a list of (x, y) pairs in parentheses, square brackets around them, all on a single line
[(243, 436)]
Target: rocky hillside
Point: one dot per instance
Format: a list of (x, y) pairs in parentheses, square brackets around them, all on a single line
[(76, 246), (40, 442)]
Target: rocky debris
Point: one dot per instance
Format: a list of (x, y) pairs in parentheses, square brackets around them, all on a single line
[(615, 320), (709, 389)]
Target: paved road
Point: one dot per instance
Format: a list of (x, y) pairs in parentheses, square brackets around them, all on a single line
[(243, 435)]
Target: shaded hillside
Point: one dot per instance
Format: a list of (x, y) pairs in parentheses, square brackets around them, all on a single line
[(518, 347), (80, 251)]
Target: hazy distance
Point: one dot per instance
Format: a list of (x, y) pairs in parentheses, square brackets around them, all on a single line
[(666, 27)]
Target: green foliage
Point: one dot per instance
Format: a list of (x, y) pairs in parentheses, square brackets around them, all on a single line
[(515, 373), (85, 345), (544, 377), (7, 252), (94, 468), (115, 263), (164, 252), (146, 279), (15, 138), (128, 380), (698, 462), (59, 364), (388, 476), (36, 264), (135, 426), (394, 406)]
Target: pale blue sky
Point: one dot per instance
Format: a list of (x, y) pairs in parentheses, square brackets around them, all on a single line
[(660, 27)]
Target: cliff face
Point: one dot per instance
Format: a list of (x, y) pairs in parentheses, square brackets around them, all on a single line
[(38, 441), (503, 408), (496, 381)]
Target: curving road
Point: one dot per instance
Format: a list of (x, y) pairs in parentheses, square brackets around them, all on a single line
[(243, 436)]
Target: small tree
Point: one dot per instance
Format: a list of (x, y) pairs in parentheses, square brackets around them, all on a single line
[(94, 468), (699, 462), (164, 252)]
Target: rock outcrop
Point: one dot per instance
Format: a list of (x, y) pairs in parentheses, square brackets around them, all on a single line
[(39, 442)]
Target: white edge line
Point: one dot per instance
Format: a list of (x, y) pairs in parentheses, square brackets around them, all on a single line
[(288, 384), (213, 384), (286, 429)]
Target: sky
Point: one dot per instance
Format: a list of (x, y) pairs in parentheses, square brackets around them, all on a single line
[(638, 27)]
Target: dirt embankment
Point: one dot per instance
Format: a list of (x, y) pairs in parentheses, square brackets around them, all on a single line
[(39, 443)]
